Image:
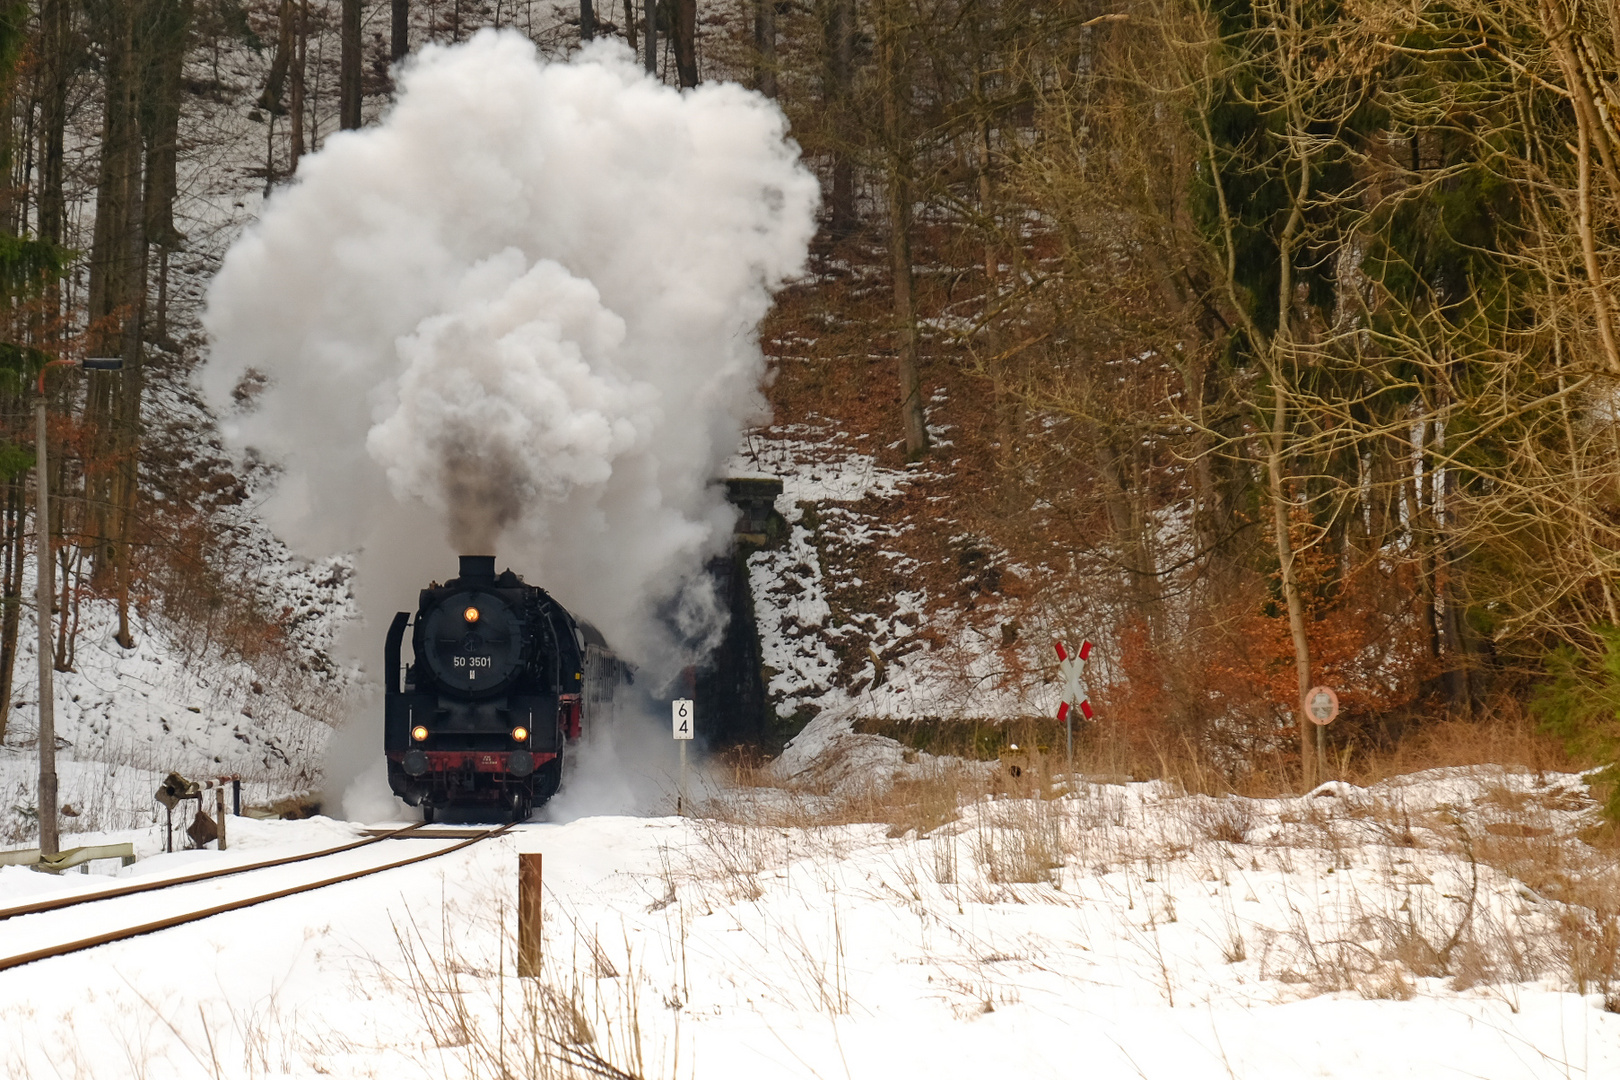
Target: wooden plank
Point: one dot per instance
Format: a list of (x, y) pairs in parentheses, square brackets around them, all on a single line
[(70, 857)]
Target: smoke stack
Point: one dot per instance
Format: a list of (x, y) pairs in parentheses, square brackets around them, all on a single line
[(477, 569)]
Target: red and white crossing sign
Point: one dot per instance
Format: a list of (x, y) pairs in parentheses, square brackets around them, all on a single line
[(1072, 667)]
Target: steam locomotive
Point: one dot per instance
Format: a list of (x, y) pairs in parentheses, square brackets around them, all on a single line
[(504, 678)]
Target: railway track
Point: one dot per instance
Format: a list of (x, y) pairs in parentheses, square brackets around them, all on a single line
[(179, 919), (56, 903)]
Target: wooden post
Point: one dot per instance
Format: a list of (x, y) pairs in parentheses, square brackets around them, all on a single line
[(528, 959), (219, 808)]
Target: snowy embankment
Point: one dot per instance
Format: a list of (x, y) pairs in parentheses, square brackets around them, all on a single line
[(1112, 932), (126, 718), (838, 646)]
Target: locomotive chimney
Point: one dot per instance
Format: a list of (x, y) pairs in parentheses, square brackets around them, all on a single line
[(477, 568)]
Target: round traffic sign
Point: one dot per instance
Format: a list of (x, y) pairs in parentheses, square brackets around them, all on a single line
[(1321, 704)]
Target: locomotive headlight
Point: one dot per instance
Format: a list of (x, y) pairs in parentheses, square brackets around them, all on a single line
[(471, 615), (419, 733), (520, 734)]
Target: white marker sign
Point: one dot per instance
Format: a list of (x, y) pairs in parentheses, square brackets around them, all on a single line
[(1321, 705), (681, 708)]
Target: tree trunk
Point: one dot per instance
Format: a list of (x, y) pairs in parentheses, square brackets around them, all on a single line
[(1280, 507), (893, 70), (684, 39), (399, 41), (275, 83), (54, 43), (114, 288), (765, 47), (296, 102), (349, 68), (587, 21), (840, 80), (650, 31), (11, 564)]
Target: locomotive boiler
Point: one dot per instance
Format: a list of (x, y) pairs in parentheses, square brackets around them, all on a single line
[(503, 678)]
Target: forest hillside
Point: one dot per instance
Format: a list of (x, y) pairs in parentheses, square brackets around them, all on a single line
[(1264, 344)]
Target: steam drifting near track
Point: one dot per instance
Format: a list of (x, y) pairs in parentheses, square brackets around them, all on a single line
[(518, 316)]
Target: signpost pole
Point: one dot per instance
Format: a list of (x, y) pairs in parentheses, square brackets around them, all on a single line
[(683, 722), (1068, 723), (44, 601), (44, 593), (1321, 706)]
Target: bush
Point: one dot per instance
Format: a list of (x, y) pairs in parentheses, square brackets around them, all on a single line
[(1580, 704)]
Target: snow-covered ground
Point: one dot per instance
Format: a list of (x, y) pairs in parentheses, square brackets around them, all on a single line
[(1113, 932)]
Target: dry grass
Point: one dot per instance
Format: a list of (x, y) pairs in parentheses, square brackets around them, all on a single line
[(1027, 825), (580, 1020), (930, 796), (1019, 842), (1506, 737)]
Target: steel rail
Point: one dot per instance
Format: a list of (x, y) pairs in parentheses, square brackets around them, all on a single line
[(110, 936), (57, 902)]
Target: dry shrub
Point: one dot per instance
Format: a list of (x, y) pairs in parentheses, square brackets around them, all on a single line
[(1376, 954), (943, 854), (745, 767), (563, 1025), (1019, 841), (737, 854), (1505, 735), (923, 803), (928, 795), (1226, 821), (1590, 940), (1573, 883)]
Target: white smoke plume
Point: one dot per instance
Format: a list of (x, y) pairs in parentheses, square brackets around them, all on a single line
[(518, 316)]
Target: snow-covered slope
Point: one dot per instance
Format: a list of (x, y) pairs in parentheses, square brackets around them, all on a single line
[(124, 719)]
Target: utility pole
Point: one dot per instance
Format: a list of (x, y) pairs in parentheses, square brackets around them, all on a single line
[(50, 841)]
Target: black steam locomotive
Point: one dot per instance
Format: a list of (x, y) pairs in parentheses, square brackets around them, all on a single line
[(504, 677)]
